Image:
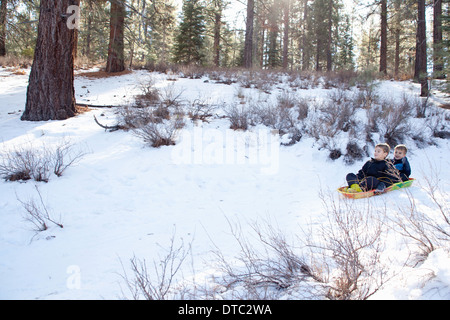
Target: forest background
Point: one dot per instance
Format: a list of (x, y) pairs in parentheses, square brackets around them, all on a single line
[(294, 35)]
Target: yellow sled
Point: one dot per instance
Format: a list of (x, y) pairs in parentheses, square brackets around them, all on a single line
[(367, 194)]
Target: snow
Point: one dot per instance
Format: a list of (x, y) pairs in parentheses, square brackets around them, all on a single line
[(124, 199)]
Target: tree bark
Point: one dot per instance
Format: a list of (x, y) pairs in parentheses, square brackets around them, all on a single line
[(421, 49), (383, 45), (217, 28), (304, 42), (287, 8), (248, 46), (116, 60), (3, 8), (438, 64), (50, 93), (330, 36)]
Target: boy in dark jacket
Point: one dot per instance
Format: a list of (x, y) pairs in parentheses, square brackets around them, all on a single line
[(401, 162), (378, 173)]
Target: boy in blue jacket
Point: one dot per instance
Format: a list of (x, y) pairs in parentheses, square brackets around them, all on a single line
[(378, 173), (401, 162)]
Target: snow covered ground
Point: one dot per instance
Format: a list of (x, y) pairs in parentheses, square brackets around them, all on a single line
[(124, 199)]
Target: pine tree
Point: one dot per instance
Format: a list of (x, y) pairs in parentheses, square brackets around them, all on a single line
[(345, 59), (383, 41), (116, 55), (249, 29), (51, 93), (421, 49), (3, 10), (190, 39), (273, 48)]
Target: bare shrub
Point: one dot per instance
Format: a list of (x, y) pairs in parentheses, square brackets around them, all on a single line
[(38, 214), (247, 79), (277, 117), (354, 153), (367, 96), (170, 97), (264, 273), (37, 163), (65, 156), (437, 121), (159, 284), (345, 251), (240, 117), (341, 79), (428, 231), (394, 121), (131, 117), (302, 109), (200, 109), (329, 120), (150, 95), (158, 133), (287, 100), (191, 71)]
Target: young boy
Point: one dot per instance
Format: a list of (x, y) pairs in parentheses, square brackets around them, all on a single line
[(401, 162), (378, 173)]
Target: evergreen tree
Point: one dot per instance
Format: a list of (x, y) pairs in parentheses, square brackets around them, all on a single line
[(273, 45), (345, 59), (50, 92), (116, 55), (190, 39)]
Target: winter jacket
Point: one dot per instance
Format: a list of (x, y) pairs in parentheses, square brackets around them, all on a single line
[(383, 170), (403, 167)]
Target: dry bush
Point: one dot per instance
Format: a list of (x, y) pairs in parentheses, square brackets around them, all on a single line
[(157, 133), (343, 79), (393, 121), (345, 250), (15, 61), (201, 110), (438, 121), (191, 71), (240, 116), (159, 283), (353, 152), (131, 117), (428, 229), (329, 120), (277, 117), (37, 163), (38, 214), (150, 95), (266, 271), (247, 79), (170, 97)]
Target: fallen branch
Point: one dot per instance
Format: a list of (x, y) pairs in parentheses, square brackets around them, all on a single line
[(84, 105), (109, 128)]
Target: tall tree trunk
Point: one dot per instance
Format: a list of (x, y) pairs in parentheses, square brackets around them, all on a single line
[(287, 4), (421, 49), (248, 46), (305, 48), (397, 53), (87, 50), (217, 27), (50, 93), (397, 32), (438, 65), (116, 60), (3, 10), (383, 45), (330, 36)]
